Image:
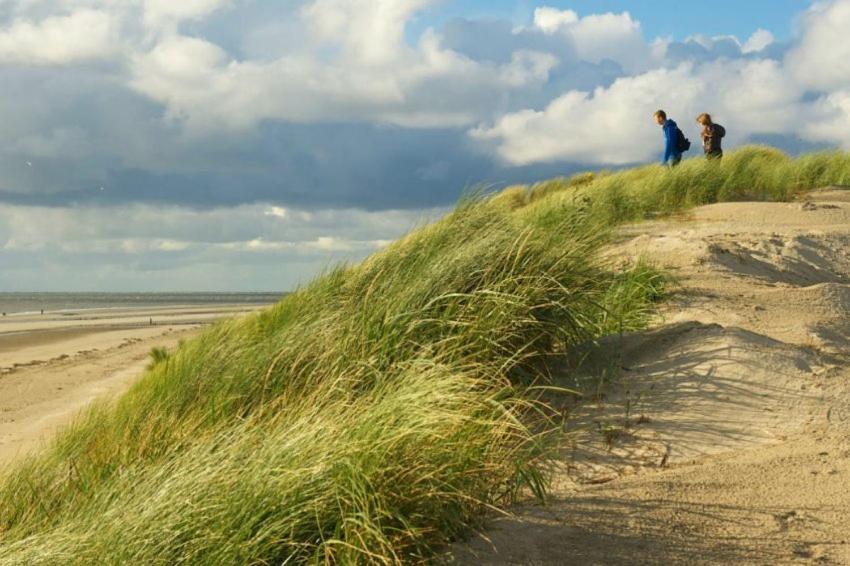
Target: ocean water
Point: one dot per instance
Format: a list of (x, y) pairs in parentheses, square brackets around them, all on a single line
[(18, 303)]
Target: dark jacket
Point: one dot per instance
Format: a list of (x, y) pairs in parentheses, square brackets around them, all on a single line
[(671, 147), (712, 134)]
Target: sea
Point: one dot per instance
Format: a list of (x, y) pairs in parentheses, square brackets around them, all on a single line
[(24, 303)]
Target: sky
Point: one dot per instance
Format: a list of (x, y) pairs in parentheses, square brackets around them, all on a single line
[(658, 18), (239, 145)]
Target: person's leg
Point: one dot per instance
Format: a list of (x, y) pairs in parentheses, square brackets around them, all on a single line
[(675, 160)]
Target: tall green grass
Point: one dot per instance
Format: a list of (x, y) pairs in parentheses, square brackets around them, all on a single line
[(368, 417), (379, 411), (750, 173)]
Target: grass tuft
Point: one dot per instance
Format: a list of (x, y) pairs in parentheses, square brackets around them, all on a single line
[(157, 355)]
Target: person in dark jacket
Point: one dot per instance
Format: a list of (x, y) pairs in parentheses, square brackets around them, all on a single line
[(672, 155), (712, 134)]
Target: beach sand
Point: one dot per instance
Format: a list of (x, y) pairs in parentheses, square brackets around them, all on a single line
[(53, 365), (722, 435)]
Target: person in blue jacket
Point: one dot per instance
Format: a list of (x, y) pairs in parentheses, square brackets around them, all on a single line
[(672, 154)]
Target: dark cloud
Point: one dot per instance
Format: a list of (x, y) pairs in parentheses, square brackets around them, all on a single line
[(81, 137), (308, 166)]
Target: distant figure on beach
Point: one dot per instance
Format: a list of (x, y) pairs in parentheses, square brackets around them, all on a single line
[(675, 142), (711, 135)]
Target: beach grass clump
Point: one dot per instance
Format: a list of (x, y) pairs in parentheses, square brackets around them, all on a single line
[(368, 417), (751, 173), (157, 356)]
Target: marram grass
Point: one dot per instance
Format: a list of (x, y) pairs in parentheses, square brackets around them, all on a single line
[(378, 412), (368, 417), (750, 173)]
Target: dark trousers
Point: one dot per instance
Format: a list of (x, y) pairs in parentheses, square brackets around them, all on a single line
[(712, 155)]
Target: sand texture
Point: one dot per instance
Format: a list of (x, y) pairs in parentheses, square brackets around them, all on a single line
[(722, 434)]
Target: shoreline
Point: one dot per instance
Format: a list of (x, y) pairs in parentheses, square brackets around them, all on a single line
[(160, 306)]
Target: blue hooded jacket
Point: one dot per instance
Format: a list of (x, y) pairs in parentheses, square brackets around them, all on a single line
[(671, 150)]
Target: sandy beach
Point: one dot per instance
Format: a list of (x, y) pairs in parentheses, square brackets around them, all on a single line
[(53, 365)]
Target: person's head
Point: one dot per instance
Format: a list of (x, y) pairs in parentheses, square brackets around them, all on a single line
[(660, 117), (704, 119)]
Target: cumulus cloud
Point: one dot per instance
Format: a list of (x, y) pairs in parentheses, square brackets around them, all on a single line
[(758, 41), (828, 119), (613, 125), (428, 86), (83, 35), (597, 37), (551, 20), (821, 58), (168, 12), (758, 96), (609, 125), (368, 32), (355, 64)]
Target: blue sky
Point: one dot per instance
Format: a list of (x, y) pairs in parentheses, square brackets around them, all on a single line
[(220, 145), (658, 17)]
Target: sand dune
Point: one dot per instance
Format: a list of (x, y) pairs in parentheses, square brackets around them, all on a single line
[(724, 433), (53, 365)]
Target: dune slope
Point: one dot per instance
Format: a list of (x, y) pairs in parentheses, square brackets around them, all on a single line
[(723, 435)]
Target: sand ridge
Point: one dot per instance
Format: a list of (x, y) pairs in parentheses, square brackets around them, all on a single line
[(723, 433)]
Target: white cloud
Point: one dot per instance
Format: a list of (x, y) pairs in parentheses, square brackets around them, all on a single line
[(828, 119), (610, 125), (527, 67), (597, 37), (426, 86), (614, 125), (369, 32), (821, 58), (550, 20), (756, 97), (164, 12), (758, 41), (80, 36)]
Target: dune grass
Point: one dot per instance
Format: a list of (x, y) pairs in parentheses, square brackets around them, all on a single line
[(368, 417), (753, 173), (376, 413)]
